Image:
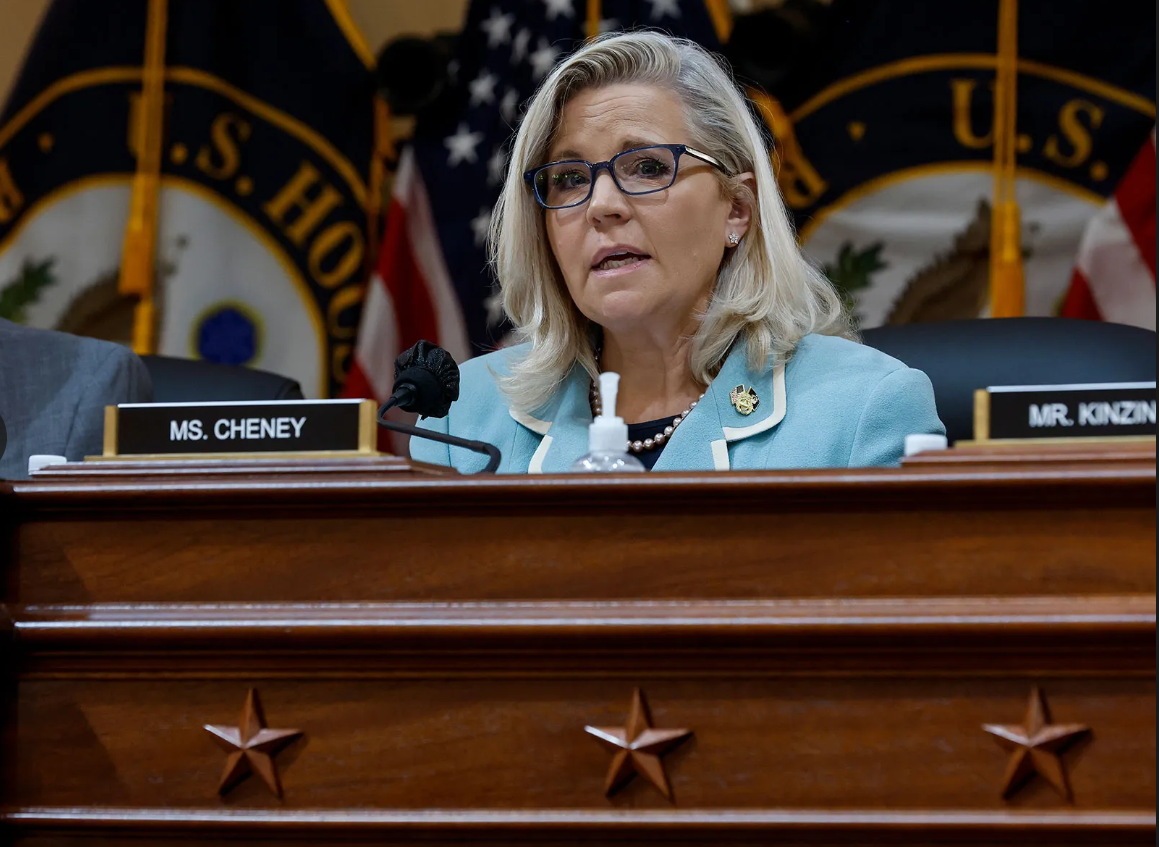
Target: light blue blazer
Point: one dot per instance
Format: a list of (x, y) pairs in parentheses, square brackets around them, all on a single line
[(835, 404)]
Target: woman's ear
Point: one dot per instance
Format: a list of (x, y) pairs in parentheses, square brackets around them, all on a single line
[(741, 214)]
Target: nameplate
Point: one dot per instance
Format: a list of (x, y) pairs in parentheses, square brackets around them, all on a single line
[(1108, 410), (259, 427)]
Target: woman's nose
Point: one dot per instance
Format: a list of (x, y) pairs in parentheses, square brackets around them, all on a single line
[(607, 199)]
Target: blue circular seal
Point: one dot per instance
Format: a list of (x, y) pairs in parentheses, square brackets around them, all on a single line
[(227, 335)]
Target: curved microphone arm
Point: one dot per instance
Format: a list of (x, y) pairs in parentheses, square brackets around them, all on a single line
[(494, 457)]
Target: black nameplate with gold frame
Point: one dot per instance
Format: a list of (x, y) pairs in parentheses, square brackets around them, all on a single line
[(1065, 412), (313, 427)]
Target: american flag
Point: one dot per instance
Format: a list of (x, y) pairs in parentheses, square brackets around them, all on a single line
[(432, 280), (1114, 274)]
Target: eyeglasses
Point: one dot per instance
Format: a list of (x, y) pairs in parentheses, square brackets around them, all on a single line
[(641, 170)]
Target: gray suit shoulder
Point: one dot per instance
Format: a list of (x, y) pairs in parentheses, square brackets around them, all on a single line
[(53, 390), (115, 373), (61, 352)]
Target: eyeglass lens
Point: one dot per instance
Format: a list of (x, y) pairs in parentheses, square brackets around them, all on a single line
[(636, 172)]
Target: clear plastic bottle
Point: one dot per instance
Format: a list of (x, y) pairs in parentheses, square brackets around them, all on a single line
[(608, 436)]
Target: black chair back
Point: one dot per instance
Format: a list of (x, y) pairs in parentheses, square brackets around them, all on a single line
[(961, 356), (192, 380)]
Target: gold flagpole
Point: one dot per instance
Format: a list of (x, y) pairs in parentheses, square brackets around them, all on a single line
[(1007, 279), (137, 253), (721, 15), (592, 24), (778, 121)]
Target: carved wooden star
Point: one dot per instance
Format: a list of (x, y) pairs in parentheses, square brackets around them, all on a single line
[(638, 748), (1035, 747), (251, 746)]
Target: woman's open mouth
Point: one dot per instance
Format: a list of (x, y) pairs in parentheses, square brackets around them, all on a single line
[(624, 262)]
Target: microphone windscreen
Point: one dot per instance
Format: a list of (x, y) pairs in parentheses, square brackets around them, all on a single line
[(432, 373)]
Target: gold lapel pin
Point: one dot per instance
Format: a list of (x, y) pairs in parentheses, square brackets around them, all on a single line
[(744, 399)]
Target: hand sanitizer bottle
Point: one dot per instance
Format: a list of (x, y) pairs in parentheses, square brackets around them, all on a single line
[(608, 436)]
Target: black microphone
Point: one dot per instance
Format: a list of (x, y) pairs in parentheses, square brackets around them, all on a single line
[(426, 381)]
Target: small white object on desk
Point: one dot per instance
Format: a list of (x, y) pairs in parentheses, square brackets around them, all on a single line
[(922, 442), (43, 460)]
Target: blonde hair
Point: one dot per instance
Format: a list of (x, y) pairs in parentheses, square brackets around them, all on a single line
[(765, 291)]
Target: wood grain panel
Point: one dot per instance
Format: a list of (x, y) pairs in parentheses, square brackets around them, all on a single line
[(356, 531), (835, 640), (838, 743), (276, 555)]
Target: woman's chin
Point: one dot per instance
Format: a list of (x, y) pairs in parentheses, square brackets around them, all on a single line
[(624, 310)]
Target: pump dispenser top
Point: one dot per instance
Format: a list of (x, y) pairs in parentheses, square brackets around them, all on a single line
[(608, 432), (608, 435)]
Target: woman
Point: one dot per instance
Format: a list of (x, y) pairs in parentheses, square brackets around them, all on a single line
[(640, 231)]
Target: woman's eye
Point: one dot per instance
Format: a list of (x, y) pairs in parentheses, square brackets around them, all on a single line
[(568, 179), (649, 167)]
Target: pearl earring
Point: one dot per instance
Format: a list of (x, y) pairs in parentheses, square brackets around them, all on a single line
[(733, 239)]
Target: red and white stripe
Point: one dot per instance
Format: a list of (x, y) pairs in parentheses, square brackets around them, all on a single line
[(410, 297), (1114, 275)]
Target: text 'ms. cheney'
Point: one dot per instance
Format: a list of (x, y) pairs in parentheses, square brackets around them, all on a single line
[(286, 428)]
